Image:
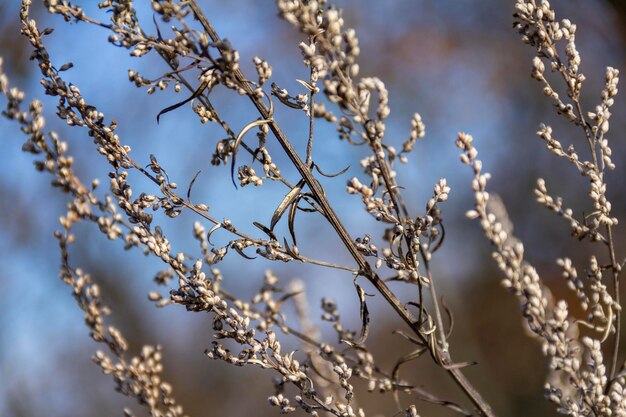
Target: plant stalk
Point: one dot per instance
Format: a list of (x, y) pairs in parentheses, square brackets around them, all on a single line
[(316, 190)]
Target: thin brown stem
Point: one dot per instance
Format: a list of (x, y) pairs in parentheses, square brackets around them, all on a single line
[(364, 267), (309, 144), (616, 268)]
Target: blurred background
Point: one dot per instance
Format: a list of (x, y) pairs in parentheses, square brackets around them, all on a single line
[(456, 62)]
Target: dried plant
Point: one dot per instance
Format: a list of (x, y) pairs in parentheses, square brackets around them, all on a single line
[(318, 378)]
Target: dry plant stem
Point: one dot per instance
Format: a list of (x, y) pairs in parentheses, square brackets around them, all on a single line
[(401, 212), (438, 317), (592, 142), (365, 268), (309, 144), (615, 266)]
